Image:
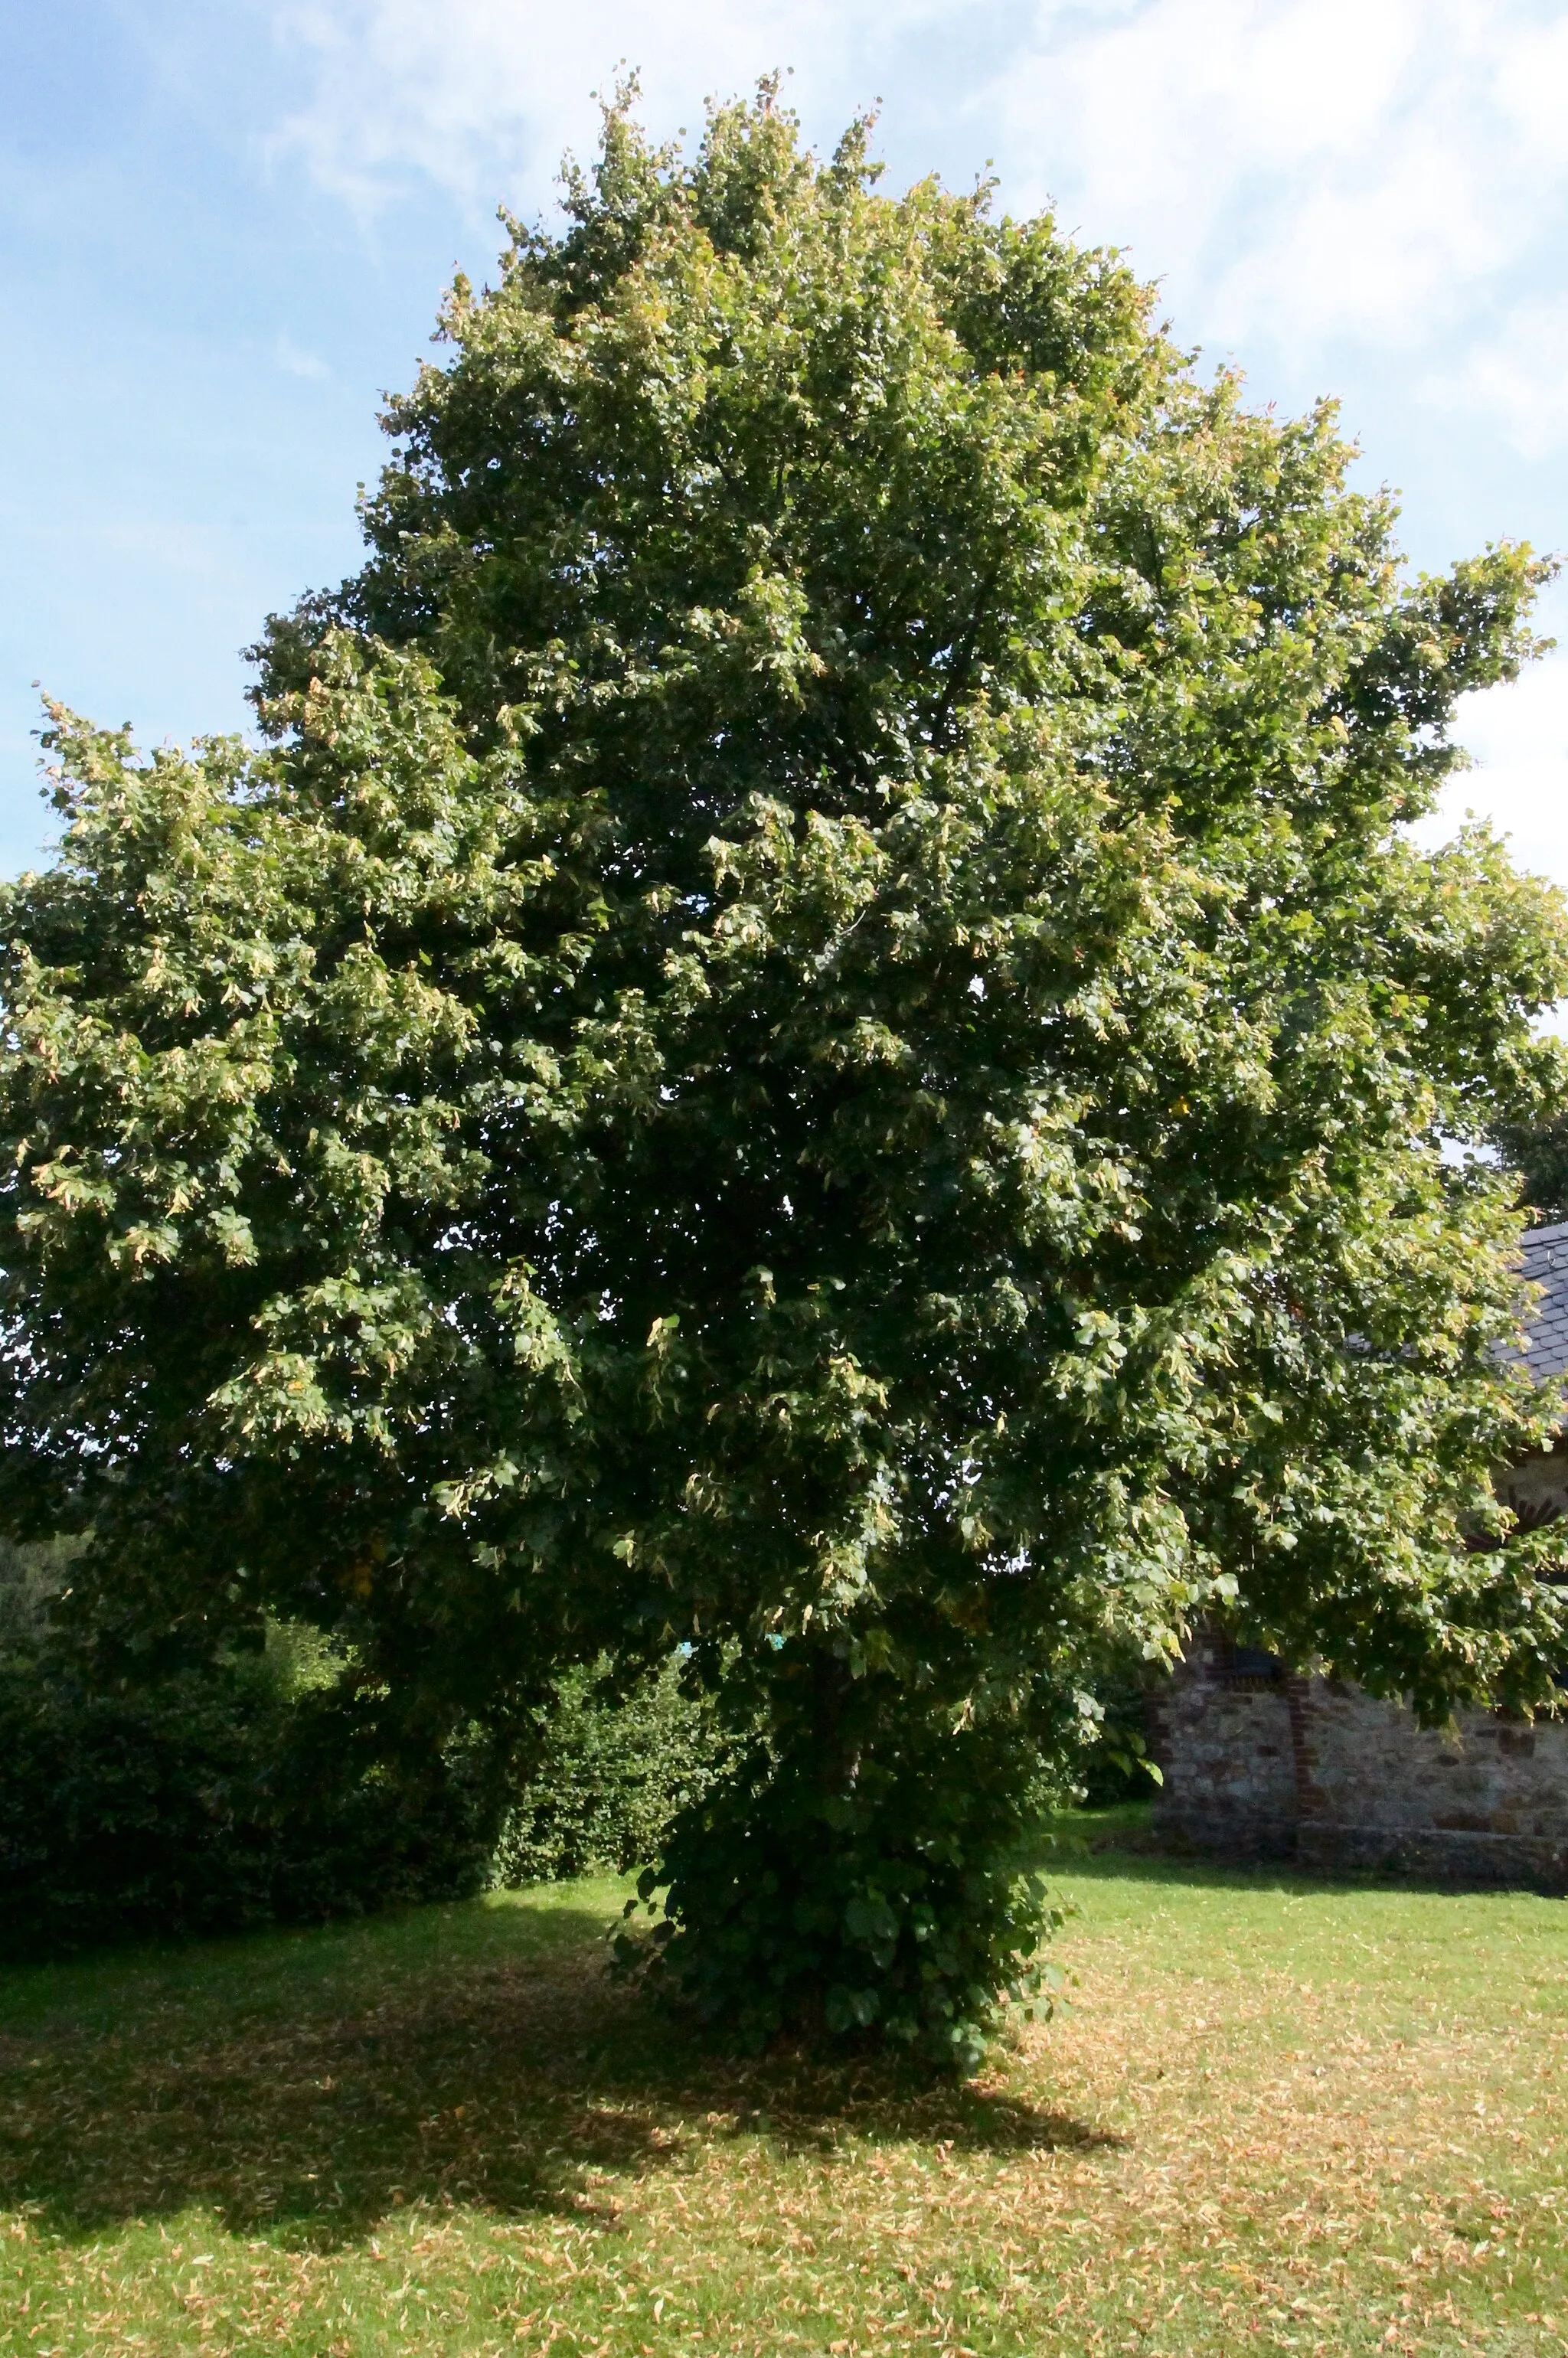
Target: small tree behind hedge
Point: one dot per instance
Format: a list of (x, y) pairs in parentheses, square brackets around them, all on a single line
[(608, 1773)]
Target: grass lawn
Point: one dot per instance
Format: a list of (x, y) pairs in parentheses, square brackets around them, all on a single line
[(1276, 2115)]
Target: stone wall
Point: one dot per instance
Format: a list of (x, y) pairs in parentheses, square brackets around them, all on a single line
[(1222, 1738), (1260, 1763)]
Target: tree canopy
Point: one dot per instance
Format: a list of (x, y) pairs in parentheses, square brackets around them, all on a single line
[(814, 1038), (1536, 1152)]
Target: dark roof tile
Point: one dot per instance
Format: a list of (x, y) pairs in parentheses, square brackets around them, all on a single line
[(1545, 1257)]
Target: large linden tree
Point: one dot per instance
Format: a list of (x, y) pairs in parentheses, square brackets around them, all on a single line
[(815, 1039)]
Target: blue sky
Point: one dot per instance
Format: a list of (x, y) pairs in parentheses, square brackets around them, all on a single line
[(223, 230)]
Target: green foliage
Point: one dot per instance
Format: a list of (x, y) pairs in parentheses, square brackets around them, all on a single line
[(1537, 1154), (893, 1901), (1117, 1766), (208, 1798), (816, 1037), (608, 1773)]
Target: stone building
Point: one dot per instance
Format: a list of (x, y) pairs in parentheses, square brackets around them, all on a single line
[(1259, 1761)]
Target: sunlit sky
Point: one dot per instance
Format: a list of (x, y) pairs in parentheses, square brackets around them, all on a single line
[(223, 230)]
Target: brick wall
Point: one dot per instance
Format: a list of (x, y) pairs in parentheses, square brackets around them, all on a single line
[(1259, 1764)]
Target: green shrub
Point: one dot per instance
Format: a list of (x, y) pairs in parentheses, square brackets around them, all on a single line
[(895, 1896), (609, 1773), (264, 1787), (259, 1787)]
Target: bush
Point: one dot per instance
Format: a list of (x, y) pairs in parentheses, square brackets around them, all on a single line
[(262, 1787), (611, 1771), (896, 1897), (256, 1788)]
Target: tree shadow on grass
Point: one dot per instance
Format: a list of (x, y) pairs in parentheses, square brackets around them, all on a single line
[(497, 2070)]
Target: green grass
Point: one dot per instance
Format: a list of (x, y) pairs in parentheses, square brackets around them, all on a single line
[(1276, 2115)]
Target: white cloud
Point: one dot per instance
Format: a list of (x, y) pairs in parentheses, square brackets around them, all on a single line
[(1518, 736), (1305, 169), (481, 96), (1518, 378), (1532, 80), (295, 362)]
